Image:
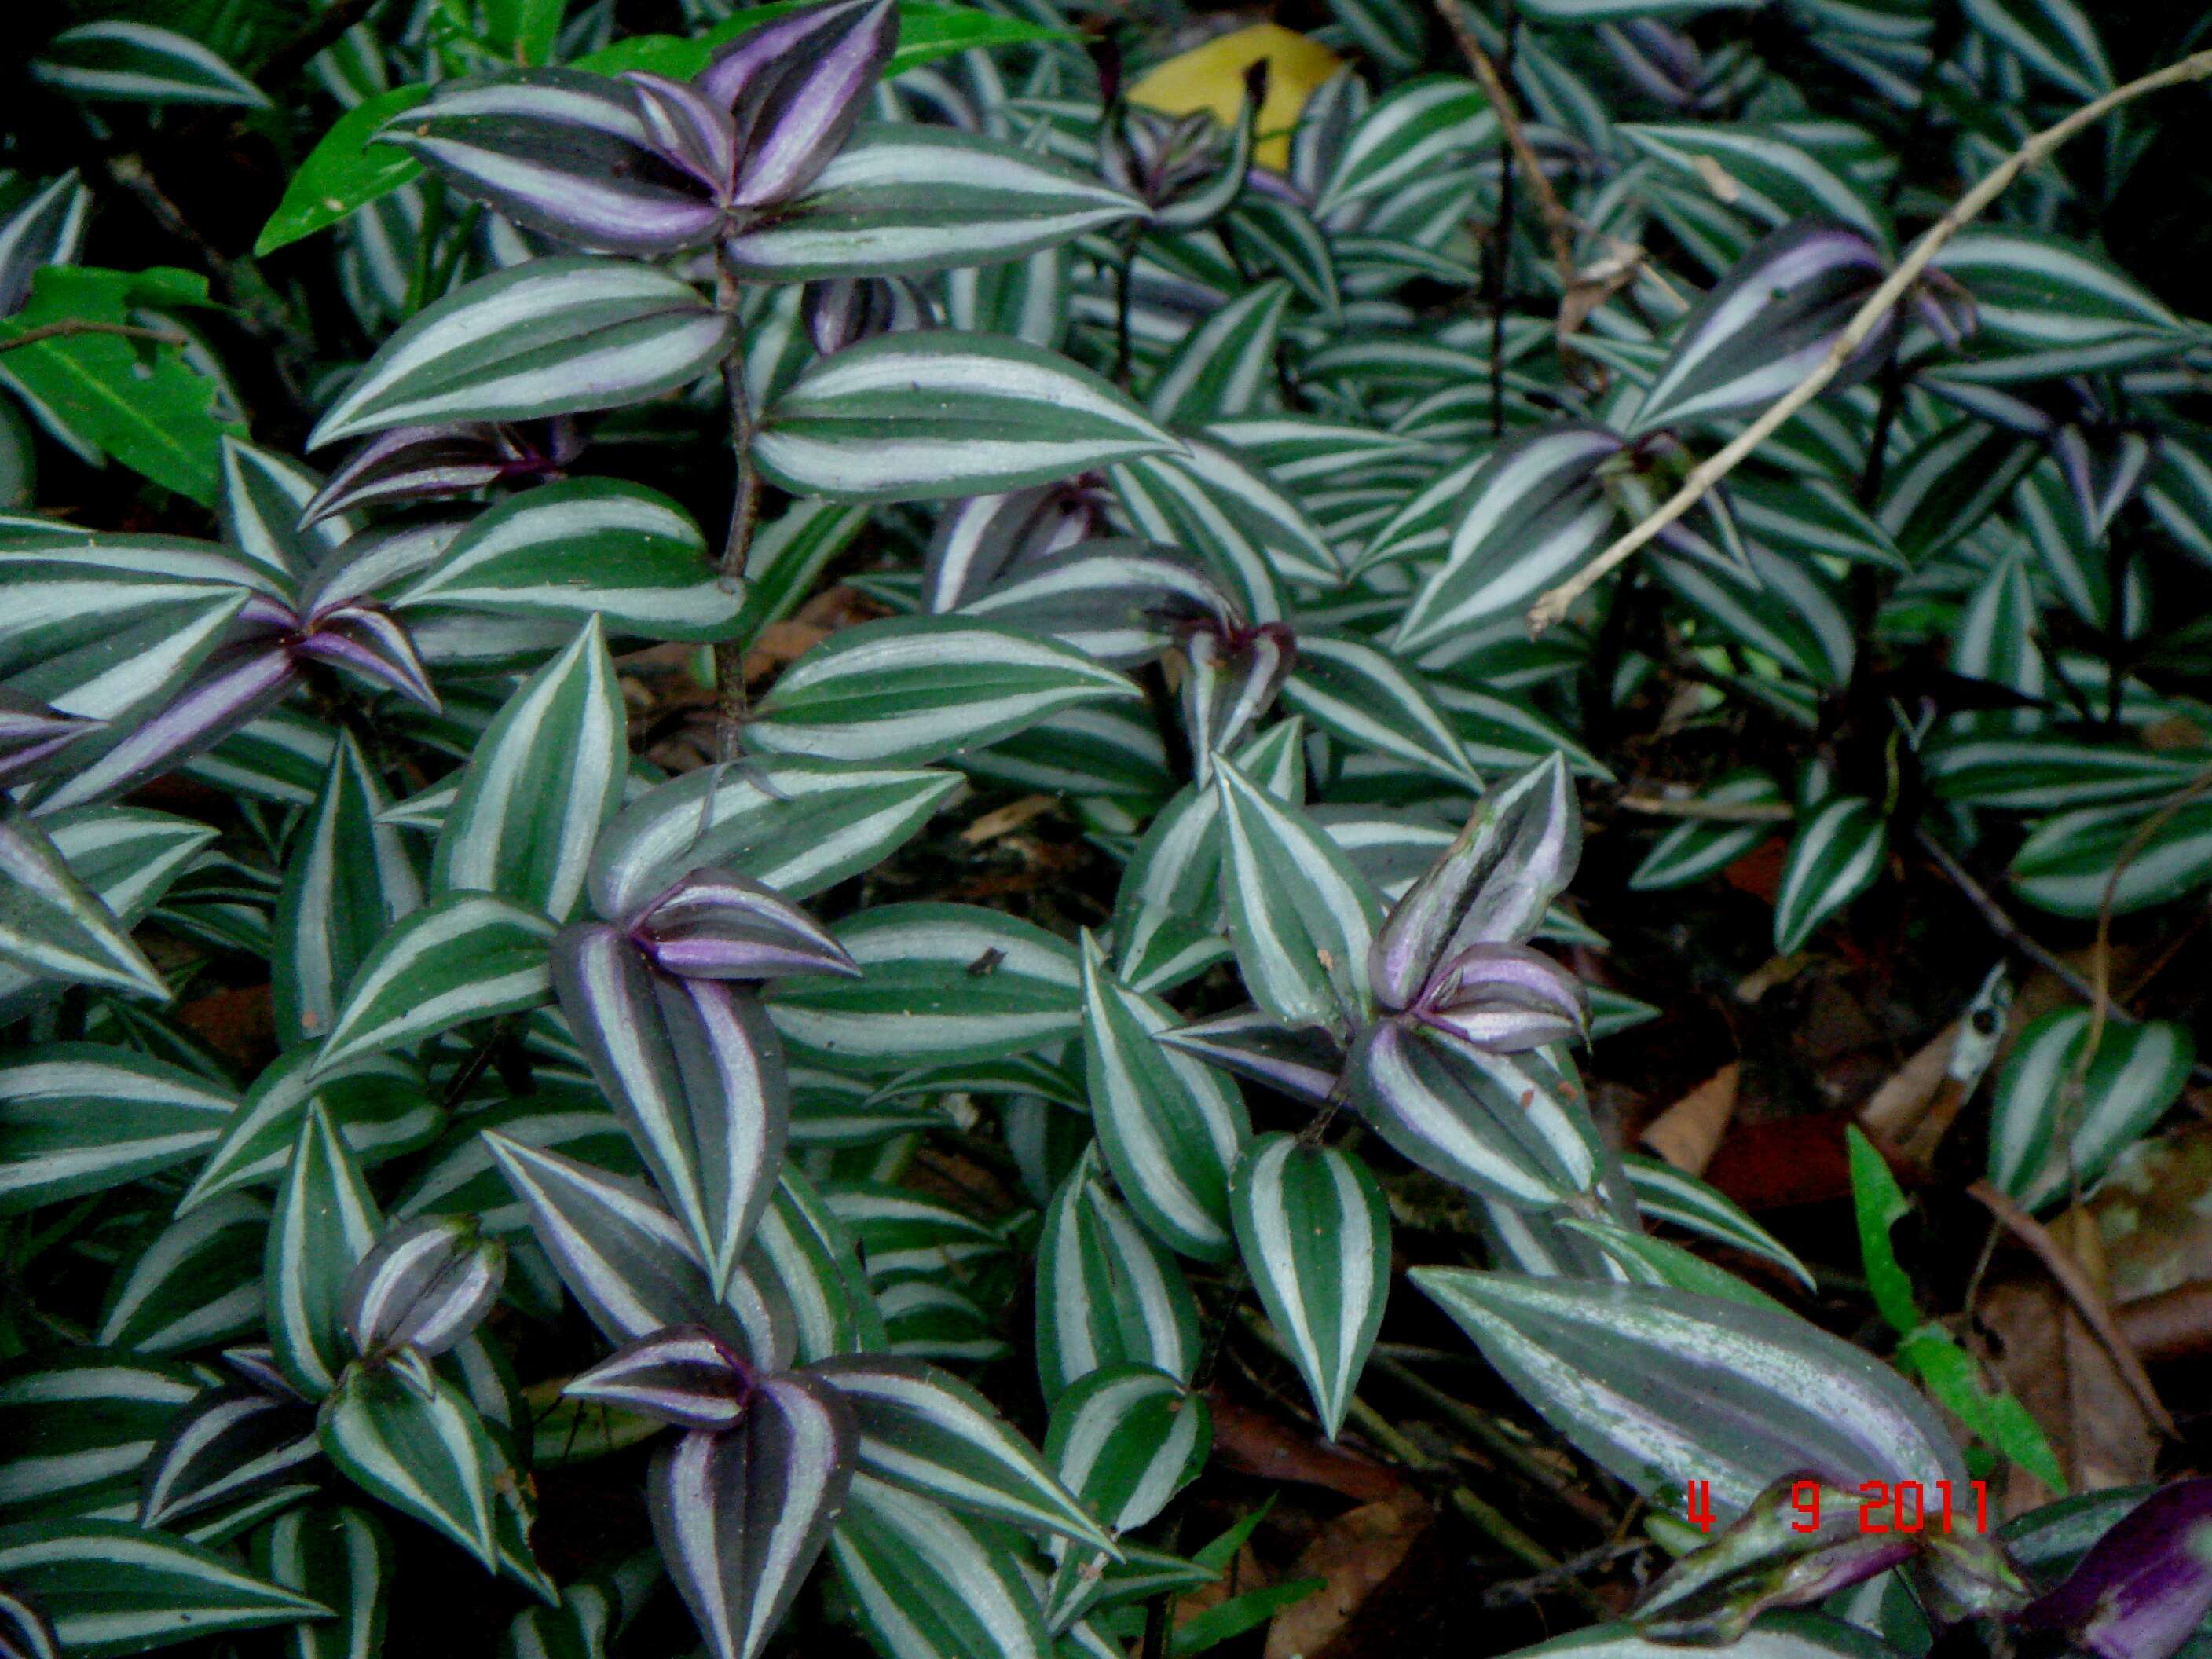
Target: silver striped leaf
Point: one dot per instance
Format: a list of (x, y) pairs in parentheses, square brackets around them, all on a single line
[(1423, 125), (1281, 235), (1313, 1232), (1107, 1294), (116, 60), (2044, 1142), (109, 1588), (196, 1284), (342, 1556), (909, 690), (696, 1074), (79, 1426), (549, 336), (2045, 307), (1694, 849), (1300, 917), (426, 1285), (2067, 865), (1665, 1194), (82, 1117), (264, 497), (2047, 772), (741, 1516), (543, 781), (803, 1258), (1644, 1259), (1170, 1128), (379, 1104), (930, 415), (563, 552), (927, 1431), (226, 1445), (684, 1375), (2054, 38), (1772, 604), (419, 1446), (1126, 1439), (1357, 693), (458, 1176), (54, 926), (1226, 366), (1116, 600), (1249, 534), (940, 983), (1997, 639), (1772, 176), (797, 826), (1660, 1386), (463, 957), (929, 1585), (713, 924), (349, 878), (325, 1222), (1834, 857)]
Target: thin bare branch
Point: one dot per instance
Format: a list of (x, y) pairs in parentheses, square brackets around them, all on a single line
[(1708, 811), (1554, 605), (68, 325)]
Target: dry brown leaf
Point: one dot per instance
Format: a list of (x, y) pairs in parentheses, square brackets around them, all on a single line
[(1012, 816), (1717, 179), (1255, 1443), (1688, 1132), (2175, 1324), (2154, 1214), (2049, 1357), (1353, 1555)]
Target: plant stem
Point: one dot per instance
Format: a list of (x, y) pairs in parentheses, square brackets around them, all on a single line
[(730, 707), (1121, 278), (68, 325), (1709, 812), (1554, 605), (1558, 227)]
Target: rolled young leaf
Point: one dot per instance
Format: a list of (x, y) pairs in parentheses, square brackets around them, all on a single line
[(715, 924), (930, 415), (684, 1375), (1313, 1232), (795, 86), (426, 1285), (549, 336)]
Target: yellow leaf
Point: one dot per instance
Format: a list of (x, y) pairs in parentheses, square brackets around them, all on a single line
[(1212, 78)]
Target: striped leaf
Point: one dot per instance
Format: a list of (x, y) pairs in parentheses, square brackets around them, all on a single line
[(1644, 1259), (80, 1426), (1762, 174), (463, 956), (715, 925), (1834, 857), (340, 1557), (939, 414), (1251, 535), (325, 1222), (1694, 849), (426, 1285), (1533, 512), (544, 778), (1809, 517), (378, 1104), (923, 1429), (55, 926), (194, 1285), (1126, 1439), (264, 497), (2045, 307), (1313, 1232), (804, 1259), (1764, 327), (1355, 692), (1281, 235), (1304, 1062), (549, 336), (2044, 1141), (226, 1445), (1666, 1194), (1468, 1117), (1575, 12), (741, 1516), (908, 689), (696, 1074), (119, 61), (80, 1117), (1300, 917), (1660, 1386), (787, 557), (797, 826), (905, 199), (109, 1588), (2047, 772), (684, 1375), (1169, 1127), (928, 1585), (1425, 124), (2067, 864), (1107, 1295), (621, 1255), (565, 552), (424, 1452), (2054, 38), (1114, 600), (1227, 365), (349, 878), (1772, 604), (940, 983)]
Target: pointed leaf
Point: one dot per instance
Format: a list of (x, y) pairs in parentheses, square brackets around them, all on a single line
[(80, 1117), (463, 956), (325, 1222), (112, 1589), (426, 1455)]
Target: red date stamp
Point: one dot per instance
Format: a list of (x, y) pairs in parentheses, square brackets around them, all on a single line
[(1884, 1506)]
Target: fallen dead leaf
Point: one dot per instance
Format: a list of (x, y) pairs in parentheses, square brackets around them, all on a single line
[(240, 1024), (1717, 179), (1255, 1442), (1012, 816), (2047, 1355), (2154, 1214), (1688, 1132), (1354, 1554), (2175, 1324)]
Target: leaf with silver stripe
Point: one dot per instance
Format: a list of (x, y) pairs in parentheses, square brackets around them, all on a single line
[(1107, 1293), (325, 1222), (1126, 1439), (1354, 692), (741, 1516), (82, 1117), (79, 1426), (379, 1103), (196, 1283), (908, 689), (226, 1444), (2044, 1144), (263, 494), (116, 60), (1283, 237), (1652, 1382), (342, 1556), (930, 415), (463, 957), (2067, 863), (1833, 858), (805, 1259), (549, 336), (53, 926), (1666, 1194), (1694, 849), (1226, 366), (350, 877), (929, 1585), (1425, 124), (1251, 535), (427, 1284), (1313, 1232), (2045, 307), (424, 1451), (2054, 38), (924, 1430)]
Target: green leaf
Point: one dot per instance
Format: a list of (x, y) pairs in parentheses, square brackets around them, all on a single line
[(1357, 693), (1107, 1294), (340, 1557), (1665, 1194), (2042, 1142), (379, 1104), (343, 174), (196, 1283), (927, 1585), (326, 1223), (1126, 1439), (1878, 1202), (53, 926), (463, 957), (111, 1588), (119, 61), (424, 1453), (1423, 123), (79, 1426), (80, 1117), (1694, 849), (1836, 855), (1226, 366), (2067, 864)]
